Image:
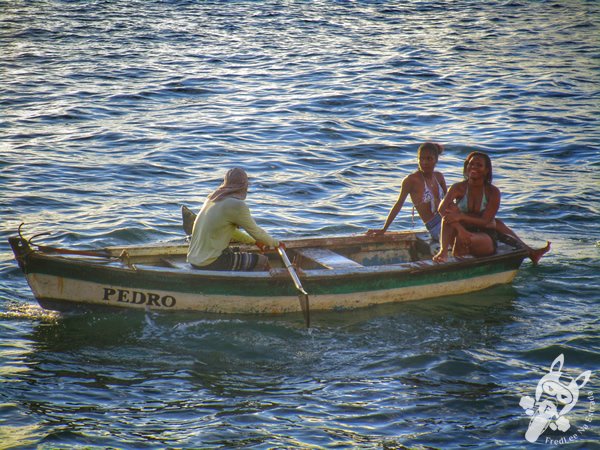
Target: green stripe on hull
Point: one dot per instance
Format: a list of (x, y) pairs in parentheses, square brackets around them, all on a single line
[(54, 292), (405, 278)]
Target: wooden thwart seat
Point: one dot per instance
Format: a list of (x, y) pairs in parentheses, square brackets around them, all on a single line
[(327, 258)]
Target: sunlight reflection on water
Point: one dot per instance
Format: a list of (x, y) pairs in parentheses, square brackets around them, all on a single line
[(115, 115)]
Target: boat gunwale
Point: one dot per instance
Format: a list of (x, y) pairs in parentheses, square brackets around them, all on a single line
[(412, 267)]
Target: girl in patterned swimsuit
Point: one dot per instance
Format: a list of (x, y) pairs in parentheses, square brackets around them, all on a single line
[(426, 188)]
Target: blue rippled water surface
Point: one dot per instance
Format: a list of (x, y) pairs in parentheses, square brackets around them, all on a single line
[(114, 114)]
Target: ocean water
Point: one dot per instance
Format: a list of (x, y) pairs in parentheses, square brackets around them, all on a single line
[(114, 114)]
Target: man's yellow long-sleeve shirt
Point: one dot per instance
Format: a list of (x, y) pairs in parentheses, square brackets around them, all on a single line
[(217, 225)]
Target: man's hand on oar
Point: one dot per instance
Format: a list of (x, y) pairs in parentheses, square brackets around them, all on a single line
[(262, 246)]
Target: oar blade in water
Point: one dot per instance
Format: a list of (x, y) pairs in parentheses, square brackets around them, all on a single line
[(305, 305)]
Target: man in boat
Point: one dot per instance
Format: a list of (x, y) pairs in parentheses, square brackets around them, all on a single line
[(218, 223)]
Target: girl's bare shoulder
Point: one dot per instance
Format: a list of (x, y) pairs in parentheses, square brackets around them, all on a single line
[(493, 189), (439, 176), (461, 185), (413, 178), (458, 190)]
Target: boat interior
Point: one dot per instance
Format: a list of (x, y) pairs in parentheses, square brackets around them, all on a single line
[(341, 253)]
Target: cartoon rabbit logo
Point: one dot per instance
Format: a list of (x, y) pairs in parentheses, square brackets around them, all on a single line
[(553, 400)]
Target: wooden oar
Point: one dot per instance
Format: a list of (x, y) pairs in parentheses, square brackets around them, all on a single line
[(302, 295)]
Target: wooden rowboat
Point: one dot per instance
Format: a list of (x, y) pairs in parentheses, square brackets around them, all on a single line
[(338, 272)]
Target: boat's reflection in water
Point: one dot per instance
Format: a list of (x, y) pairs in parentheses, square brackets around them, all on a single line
[(128, 335)]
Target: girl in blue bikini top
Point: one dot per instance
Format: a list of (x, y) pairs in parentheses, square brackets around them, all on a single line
[(463, 203), (468, 222)]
